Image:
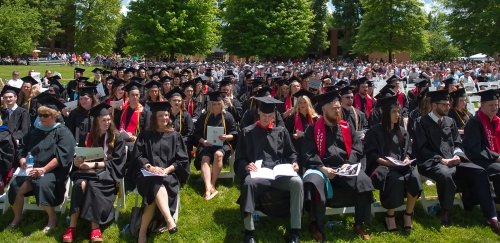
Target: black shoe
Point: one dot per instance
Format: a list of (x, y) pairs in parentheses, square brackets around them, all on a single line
[(249, 238), (294, 238), (445, 218)]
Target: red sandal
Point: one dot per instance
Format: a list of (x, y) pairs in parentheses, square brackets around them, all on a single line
[(95, 235), (69, 234)]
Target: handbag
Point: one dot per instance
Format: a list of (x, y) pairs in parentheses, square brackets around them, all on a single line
[(92, 175), (135, 220)]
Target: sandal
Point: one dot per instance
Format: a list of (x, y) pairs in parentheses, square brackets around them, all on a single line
[(212, 193), (95, 235), (47, 229), (408, 228), (387, 216), (12, 226), (69, 234)]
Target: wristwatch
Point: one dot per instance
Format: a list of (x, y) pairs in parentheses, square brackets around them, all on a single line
[(96, 164)]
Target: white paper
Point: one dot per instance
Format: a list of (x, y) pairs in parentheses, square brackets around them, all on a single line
[(117, 104), (213, 134), (271, 174), (350, 170), (22, 172), (71, 105), (147, 173), (100, 90), (397, 162), (91, 153)]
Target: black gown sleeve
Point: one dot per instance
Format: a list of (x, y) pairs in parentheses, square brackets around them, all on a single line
[(116, 163), (241, 160), (7, 151), (475, 147), (288, 149), (373, 144), (65, 148), (181, 159)]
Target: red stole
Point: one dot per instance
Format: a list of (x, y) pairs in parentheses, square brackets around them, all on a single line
[(268, 128), (133, 125), (88, 141), (205, 89), (368, 106), (320, 136), (288, 103), (491, 130), (298, 122), (274, 90), (190, 107), (415, 91), (400, 99)]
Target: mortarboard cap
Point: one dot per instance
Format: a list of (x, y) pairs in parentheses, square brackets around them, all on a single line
[(488, 95), (95, 70), (421, 82), (29, 79), (341, 83), (56, 83), (330, 88), (362, 80), (267, 104), (45, 99), (314, 84), (106, 72), (100, 110), (117, 83), (345, 90), (175, 92), (439, 95), (79, 70), (392, 79), (133, 86), (303, 92), (129, 70), (152, 84), (370, 83), (257, 81), (87, 90), (199, 80), (293, 79), (188, 84), (165, 79), (159, 106), (264, 91), (224, 83), (388, 102), (458, 93), (215, 96), (10, 89), (326, 98), (82, 79)]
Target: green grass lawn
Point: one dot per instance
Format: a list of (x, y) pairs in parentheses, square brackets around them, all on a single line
[(65, 71), (219, 220)]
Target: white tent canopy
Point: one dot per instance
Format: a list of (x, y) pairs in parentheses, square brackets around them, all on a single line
[(480, 57)]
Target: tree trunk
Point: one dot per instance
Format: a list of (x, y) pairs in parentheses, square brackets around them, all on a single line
[(390, 55)]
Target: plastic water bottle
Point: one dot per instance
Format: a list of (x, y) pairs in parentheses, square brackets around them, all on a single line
[(30, 160), (256, 217)]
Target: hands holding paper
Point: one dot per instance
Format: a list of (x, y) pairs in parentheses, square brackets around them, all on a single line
[(329, 172)]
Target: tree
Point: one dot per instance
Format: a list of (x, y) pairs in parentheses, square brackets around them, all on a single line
[(318, 38), (347, 18), (20, 30), (391, 26), (280, 28), (474, 25), (172, 27), (51, 12), (97, 22)]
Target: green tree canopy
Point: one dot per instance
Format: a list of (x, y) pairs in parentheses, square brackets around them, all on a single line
[(97, 22), (347, 17), (391, 26), (168, 27), (280, 28), (319, 26), (19, 27), (474, 24)]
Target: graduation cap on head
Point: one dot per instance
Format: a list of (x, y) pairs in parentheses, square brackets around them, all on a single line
[(165, 79), (215, 96), (330, 88), (106, 72), (458, 93), (388, 102), (362, 80), (100, 110), (314, 84), (224, 83), (268, 104), (303, 92), (133, 86), (439, 95), (152, 84), (129, 70), (187, 84), (345, 90), (248, 74), (175, 92), (159, 106), (47, 100), (10, 89), (199, 80), (79, 70), (384, 91), (29, 79), (117, 83), (307, 74), (88, 90), (293, 79), (56, 83), (392, 79), (326, 98), (449, 81), (82, 79), (110, 78), (208, 72), (421, 82), (488, 95), (370, 83), (55, 78), (95, 70), (341, 83), (152, 68), (257, 81), (230, 72), (264, 91)]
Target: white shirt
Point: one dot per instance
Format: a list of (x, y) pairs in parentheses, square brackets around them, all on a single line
[(11, 110)]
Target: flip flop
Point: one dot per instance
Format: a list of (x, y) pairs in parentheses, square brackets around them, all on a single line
[(47, 229), (212, 194)]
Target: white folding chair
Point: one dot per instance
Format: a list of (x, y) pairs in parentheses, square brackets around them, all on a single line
[(229, 174), (121, 197)]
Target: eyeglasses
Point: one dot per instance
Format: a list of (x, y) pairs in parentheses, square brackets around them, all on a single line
[(44, 115)]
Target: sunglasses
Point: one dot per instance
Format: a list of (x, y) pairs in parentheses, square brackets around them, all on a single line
[(45, 115)]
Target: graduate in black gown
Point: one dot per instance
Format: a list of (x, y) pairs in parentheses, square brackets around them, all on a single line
[(191, 105), (393, 84), (95, 182), (16, 118), (329, 144), (421, 84), (250, 116), (53, 147), (458, 111), (440, 157), (207, 152), (7, 155), (26, 97), (72, 86), (482, 143), (160, 150), (116, 97), (362, 100), (272, 145), (355, 118), (181, 120), (79, 119), (395, 181), (231, 104)]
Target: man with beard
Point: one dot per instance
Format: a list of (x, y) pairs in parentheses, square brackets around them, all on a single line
[(331, 143), (440, 157), (356, 118), (362, 100)]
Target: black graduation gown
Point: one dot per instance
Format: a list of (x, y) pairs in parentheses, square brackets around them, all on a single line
[(200, 132), (163, 150), (71, 90), (187, 128), (236, 109), (79, 122), (412, 100), (357, 120), (96, 204), (273, 147), (31, 106), (198, 108), (7, 155), (478, 151), (44, 146), (348, 191), (460, 118), (394, 181), (251, 116), (18, 123), (290, 127), (375, 118), (434, 142)]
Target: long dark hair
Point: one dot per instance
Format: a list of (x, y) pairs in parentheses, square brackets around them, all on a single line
[(154, 123), (96, 140), (386, 127)]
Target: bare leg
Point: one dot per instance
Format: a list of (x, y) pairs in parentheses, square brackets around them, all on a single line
[(205, 174), (162, 203), (410, 205), (390, 221), (17, 207), (147, 216), (217, 167), (51, 213), (74, 216)]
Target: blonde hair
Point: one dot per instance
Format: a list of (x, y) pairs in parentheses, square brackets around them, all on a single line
[(310, 108), (1, 121), (45, 109), (209, 106)]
